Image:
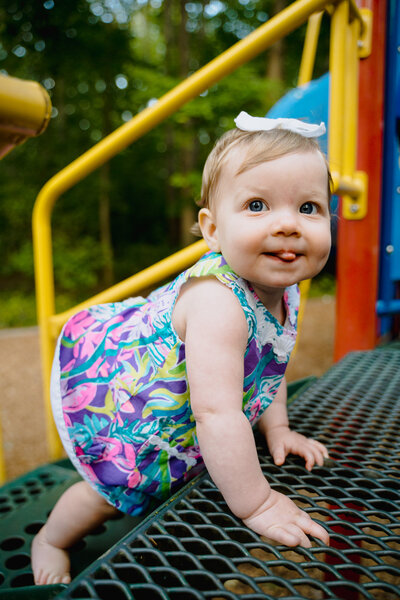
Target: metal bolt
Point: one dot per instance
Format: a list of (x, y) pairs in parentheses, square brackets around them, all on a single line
[(354, 208), (398, 189), (389, 249)]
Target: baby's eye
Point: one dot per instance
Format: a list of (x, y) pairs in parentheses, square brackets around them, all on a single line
[(309, 208), (256, 206)]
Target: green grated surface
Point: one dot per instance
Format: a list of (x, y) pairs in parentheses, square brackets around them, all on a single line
[(34, 485), (24, 507), (194, 548)]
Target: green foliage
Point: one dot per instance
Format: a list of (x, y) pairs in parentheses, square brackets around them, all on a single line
[(17, 309), (323, 285), (78, 266), (102, 63)]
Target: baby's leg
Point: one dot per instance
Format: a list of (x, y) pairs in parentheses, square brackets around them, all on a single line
[(79, 510)]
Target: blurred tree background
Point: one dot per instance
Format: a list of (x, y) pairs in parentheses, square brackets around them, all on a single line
[(102, 61)]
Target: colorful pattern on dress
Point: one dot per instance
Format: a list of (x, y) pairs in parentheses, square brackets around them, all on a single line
[(124, 389)]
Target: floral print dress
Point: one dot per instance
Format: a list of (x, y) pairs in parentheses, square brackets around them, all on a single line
[(120, 393)]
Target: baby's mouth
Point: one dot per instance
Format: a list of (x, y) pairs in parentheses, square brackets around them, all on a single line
[(283, 255)]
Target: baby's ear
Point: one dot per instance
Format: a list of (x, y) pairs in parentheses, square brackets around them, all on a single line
[(209, 229)]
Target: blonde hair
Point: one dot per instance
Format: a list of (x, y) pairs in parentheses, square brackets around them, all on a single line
[(260, 146)]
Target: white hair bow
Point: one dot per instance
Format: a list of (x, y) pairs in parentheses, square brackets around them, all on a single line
[(246, 122)]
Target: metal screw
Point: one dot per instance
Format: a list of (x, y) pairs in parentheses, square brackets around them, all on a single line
[(354, 208), (389, 249), (398, 189)]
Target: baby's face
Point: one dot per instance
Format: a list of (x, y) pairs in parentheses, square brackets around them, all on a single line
[(272, 222)]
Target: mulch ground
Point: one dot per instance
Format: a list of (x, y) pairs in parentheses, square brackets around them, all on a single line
[(21, 407)]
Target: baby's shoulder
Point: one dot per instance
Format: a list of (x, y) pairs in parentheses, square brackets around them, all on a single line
[(207, 301), (207, 292)]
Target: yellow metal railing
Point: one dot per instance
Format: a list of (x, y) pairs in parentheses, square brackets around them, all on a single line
[(345, 49), (310, 48), (345, 13), (305, 75)]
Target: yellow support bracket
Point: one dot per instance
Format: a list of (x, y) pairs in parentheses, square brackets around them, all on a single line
[(355, 197), (365, 41)]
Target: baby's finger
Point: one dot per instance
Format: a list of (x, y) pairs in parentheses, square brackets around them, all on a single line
[(278, 453), (307, 452), (312, 528), (290, 535), (320, 447), (318, 456)]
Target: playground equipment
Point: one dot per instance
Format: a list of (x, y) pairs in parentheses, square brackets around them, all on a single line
[(25, 110), (192, 547)]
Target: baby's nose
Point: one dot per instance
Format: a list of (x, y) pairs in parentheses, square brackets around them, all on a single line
[(285, 223)]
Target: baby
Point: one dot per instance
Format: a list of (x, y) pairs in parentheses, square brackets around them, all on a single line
[(147, 391)]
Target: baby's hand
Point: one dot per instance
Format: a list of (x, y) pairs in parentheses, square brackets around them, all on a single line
[(282, 441), (281, 520)]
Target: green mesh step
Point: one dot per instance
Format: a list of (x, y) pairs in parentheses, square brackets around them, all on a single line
[(24, 506), (47, 592)]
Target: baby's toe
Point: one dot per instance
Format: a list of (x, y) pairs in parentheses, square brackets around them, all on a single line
[(41, 577)]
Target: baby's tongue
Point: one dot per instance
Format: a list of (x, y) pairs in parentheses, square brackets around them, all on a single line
[(286, 255)]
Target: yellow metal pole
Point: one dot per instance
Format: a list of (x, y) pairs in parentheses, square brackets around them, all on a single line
[(45, 306), (310, 48), (25, 110), (305, 76), (337, 62), (354, 199), (282, 24), (350, 102)]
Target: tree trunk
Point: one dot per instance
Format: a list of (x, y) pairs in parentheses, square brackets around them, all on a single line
[(275, 63), (187, 151), (104, 205), (170, 154), (105, 226)]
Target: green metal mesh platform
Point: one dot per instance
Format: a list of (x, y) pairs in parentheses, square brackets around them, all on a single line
[(194, 548), (24, 506)]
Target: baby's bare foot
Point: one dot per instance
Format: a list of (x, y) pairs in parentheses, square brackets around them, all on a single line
[(49, 563)]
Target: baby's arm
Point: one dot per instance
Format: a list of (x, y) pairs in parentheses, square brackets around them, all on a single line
[(274, 424), (215, 337)]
